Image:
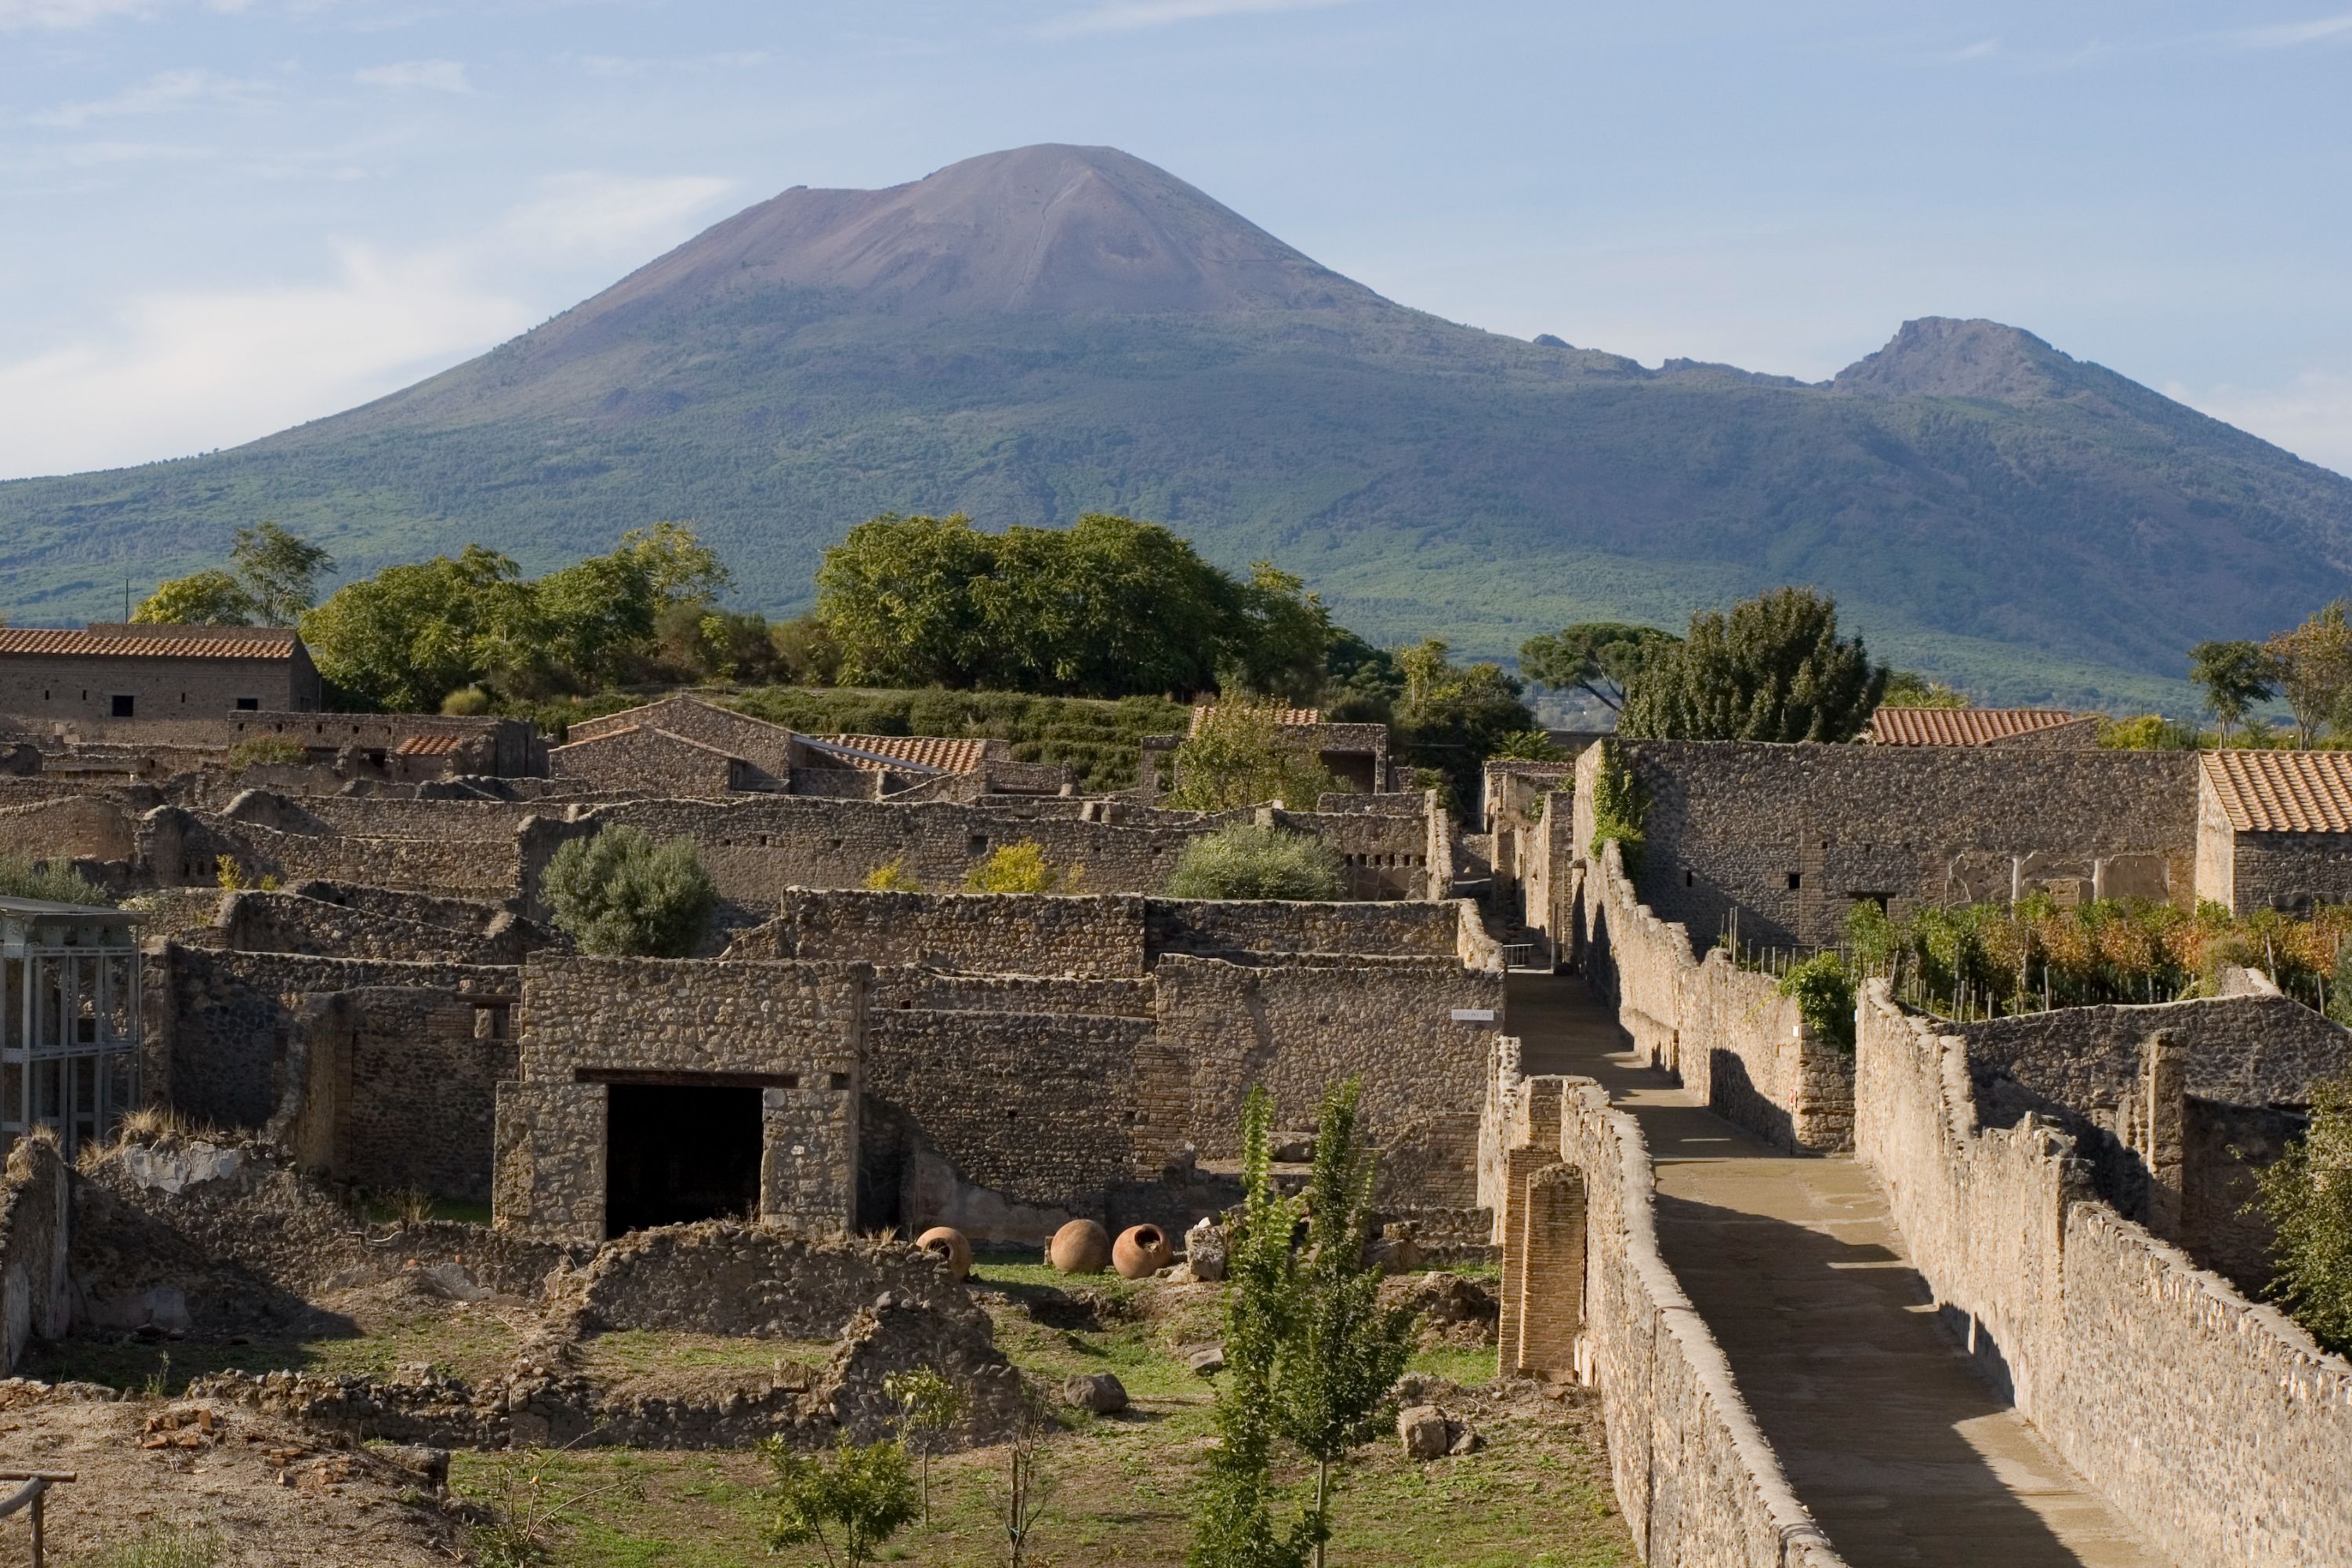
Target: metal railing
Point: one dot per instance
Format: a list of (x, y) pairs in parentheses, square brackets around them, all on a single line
[(30, 1495)]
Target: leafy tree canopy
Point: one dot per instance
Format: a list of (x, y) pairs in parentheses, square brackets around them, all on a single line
[(275, 580), (1106, 608), (2234, 677), (1452, 717), (1236, 756), (1774, 668), (406, 637), (2307, 1194), (1600, 658), (1909, 688)]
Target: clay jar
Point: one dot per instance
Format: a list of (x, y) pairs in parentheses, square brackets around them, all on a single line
[(1141, 1251), (944, 1241), (1081, 1246)]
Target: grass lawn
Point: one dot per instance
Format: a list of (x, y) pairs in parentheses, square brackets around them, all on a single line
[(1536, 1496)]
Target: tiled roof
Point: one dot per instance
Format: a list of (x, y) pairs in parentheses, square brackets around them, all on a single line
[(1275, 715), (165, 642), (429, 745), (945, 753), (2283, 792), (1961, 726)]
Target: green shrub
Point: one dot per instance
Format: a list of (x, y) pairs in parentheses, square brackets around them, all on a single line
[(1237, 758), (261, 750), (2307, 1194), (47, 880), (846, 1506), (1823, 992), (1619, 804), (466, 702), (621, 894), (1244, 860)]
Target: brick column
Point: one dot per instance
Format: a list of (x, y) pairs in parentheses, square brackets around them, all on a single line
[(1551, 1306)]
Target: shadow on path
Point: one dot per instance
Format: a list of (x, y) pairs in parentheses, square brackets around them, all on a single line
[(1903, 1455)]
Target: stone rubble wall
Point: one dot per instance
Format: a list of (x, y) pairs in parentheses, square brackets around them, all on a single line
[(289, 923), (182, 849), (217, 1024), (36, 1230), (67, 827), (2214, 1423), (1712, 1023), (1791, 834), (1100, 936), (389, 816), (1697, 1482), (721, 1278), (906, 986)]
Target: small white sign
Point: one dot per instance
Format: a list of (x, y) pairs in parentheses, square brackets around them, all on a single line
[(1474, 1015)]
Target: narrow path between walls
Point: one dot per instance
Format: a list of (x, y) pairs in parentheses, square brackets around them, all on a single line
[(1902, 1453)]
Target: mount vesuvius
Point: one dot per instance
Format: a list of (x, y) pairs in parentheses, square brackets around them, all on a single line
[(1035, 334)]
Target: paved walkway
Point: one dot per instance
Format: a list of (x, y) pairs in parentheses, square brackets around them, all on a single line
[(1902, 1454)]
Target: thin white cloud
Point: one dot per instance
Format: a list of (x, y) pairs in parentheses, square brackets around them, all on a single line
[(2310, 416), (646, 65), (65, 13), (431, 76), (2294, 35), (1133, 16), (1982, 49), (159, 94), (184, 371)]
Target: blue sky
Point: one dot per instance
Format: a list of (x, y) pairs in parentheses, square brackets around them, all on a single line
[(219, 217)]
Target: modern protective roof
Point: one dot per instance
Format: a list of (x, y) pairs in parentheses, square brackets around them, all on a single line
[(2283, 792), (1961, 726), (1273, 715), (943, 754), (429, 745), (150, 642)]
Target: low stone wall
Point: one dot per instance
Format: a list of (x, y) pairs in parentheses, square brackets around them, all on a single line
[(69, 827), (720, 1278), (1712, 1023), (1695, 1479), (1242, 928), (183, 848), (1025, 933), (35, 1297), (288, 922), (2214, 1423), (1049, 994)]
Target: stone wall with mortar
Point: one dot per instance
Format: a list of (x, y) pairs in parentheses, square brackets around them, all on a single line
[(395, 1088), (183, 848), (1099, 935), (1714, 1025), (793, 1030), (2214, 1423), (658, 763), (906, 986), (2173, 1106), (1793, 835), (1695, 1478), (36, 1232), (217, 1024), (289, 923), (69, 827)]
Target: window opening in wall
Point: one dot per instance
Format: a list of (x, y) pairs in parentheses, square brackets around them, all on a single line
[(978, 845), (675, 1155), (248, 704), (1689, 880), (184, 697), (121, 704), (1794, 879), (490, 1020)]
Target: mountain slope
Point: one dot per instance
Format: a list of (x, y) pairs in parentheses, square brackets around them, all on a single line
[(1033, 334)]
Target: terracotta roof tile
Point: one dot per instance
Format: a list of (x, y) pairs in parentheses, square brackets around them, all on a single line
[(1962, 726), (2283, 792), (945, 753), (429, 745), (169, 642), (1285, 716)]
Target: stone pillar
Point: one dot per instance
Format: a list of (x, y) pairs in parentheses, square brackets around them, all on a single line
[(1551, 1306), (808, 1168), (1519, 1171), (2163, 1109), (2099, 877)]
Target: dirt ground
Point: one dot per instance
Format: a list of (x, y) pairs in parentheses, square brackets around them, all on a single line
[(1536, 1495), (266, 1492)]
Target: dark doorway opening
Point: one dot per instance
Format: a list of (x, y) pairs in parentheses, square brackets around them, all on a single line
[(675, 1155)]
